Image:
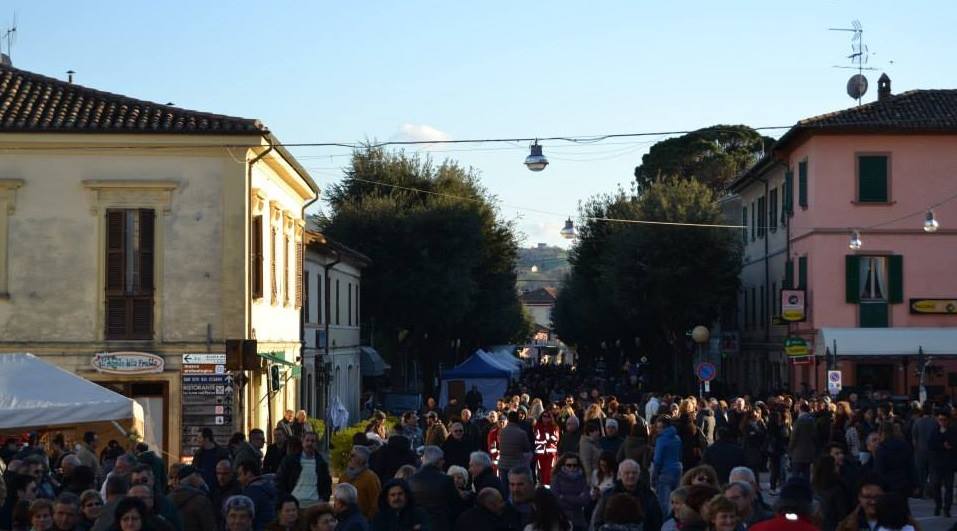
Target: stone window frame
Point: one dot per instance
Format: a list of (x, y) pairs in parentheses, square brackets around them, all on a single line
[(8, 205)]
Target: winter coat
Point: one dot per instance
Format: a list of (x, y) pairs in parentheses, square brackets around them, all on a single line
[(573, 495), (941, 457), (646, 498), (245, 453), (369, 489), (668, 452), (832, 505), (352, 520), (515, 448), (693, 443), (894, 464), (755, 442), (408, 518), (803, 446), (288, 475), (457, 452), (195, 509), (391, 456), (263, 494), (724, 456), (568, 442), (638, 449), (479, 518), (437, 495), (436, 434), (207, 459), (707, 422), (488, 479)]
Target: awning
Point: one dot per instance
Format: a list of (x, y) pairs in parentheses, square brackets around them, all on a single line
[(34, 394), (887, 341), (371, 363), (276, 357)]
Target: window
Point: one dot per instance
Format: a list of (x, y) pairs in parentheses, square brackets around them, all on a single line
[(305, 299), (357, 304), (754, 307), (753, 221), (130, 237), (257, 257), (788, 194), (776, 300), (872, 173), (286, 287), (744, 224), (762, 216), (874, 282), (745, 315), (320, 305), (272, 266), (349, 307), (788, 275), (337, 301), (773, 213), (298, 272), (802, 272), (764, 308), (802, 183), (872, 279)]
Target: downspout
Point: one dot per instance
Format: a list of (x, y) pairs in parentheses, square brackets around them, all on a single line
[(249, 305), (328, 314)]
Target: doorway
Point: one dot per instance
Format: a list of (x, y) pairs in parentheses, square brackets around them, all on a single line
[(875, 377), (153, 397)]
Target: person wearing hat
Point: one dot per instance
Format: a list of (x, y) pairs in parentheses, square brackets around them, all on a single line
[(794, 509), (366, 482), (191, 500)]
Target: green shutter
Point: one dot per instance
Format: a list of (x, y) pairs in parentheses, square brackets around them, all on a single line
[(873, 314), (802, 183), (895, 279), (744, 223), (872, 179), (788, 274), (788, 192), (802, 272), (852, 280)]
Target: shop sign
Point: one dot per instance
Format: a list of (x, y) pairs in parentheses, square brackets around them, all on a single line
[(933, 306), (793, 305), (795, 347), (128, 363)]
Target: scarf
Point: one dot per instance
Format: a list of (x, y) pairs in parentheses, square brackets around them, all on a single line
[(353, 472)]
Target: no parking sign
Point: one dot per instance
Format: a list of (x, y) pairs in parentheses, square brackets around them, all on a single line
[(834, 383)]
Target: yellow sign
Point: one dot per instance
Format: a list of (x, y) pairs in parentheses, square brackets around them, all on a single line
[(793, 308), (938, 306), (795, 346)]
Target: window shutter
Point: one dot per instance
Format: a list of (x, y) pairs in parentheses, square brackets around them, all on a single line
[(895, 279), (115, 251), (115, 317), (299, 274), (802, 183), (142, 321), (788, 274), (852, 282), (802, 272), (272, 264), (788, 193), (305, 299), (257, 257), (754, 221), (773, 213), (762, 216), (147, 244), (872, 179), (285, 268), (744, 224)]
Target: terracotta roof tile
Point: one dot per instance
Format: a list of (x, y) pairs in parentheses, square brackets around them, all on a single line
[(33, 103)]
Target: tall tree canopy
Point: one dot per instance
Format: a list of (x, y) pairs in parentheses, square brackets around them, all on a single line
[(443, 261), (714, 155), (651, 282)]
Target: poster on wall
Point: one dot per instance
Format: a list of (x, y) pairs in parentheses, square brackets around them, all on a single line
[(793, 305), (207, 400)]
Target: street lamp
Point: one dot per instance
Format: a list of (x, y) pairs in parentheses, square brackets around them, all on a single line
[(535, 161), (930, 223), (855, 242), (700, 335), (568, 231)]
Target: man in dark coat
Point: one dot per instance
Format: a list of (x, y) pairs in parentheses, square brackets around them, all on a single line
[(275, 452), (943, 461), (287, 477), (473, 399), (457, 448), (487, 515), (391, 456), (260, 491), (190, 499), (435, 491), (630, 471), (208, 456), (483, 477), (802, 447), (724, 454), (398, 511)]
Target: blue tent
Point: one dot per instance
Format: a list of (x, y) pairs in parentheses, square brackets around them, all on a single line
[(489, 378)]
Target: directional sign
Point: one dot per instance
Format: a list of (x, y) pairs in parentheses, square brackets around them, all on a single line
[(213, 359), (705, 371)]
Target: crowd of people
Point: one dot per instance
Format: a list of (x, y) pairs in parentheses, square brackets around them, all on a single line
[(558, 453)]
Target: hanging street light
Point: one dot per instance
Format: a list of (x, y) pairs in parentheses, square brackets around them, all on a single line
[(855, 242), (535, 161), (568, 231), (930, 223), (534, 269)]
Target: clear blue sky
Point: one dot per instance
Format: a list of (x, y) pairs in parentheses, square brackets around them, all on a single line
[(345, 71)]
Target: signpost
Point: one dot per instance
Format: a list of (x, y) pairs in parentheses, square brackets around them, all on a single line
[(207, 399), (834, 383), (705, 371)]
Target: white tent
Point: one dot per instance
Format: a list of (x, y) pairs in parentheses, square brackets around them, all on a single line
[(37, 394)]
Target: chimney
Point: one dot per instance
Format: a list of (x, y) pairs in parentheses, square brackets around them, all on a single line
[(69, 76), (883, 87), (5, 60)]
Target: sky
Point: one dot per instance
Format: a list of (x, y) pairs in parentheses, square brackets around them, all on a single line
[(322, 71)]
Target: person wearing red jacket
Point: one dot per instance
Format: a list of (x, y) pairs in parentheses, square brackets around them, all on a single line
[(546, 446), (492, 440)]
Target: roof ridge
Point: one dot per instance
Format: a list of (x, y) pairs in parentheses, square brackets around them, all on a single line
[(36, 101)]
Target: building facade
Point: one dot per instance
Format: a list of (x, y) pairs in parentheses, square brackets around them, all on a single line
[(136, 239), (859, 185)]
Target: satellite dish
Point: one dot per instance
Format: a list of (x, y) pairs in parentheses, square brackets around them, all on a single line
[(857, 86)]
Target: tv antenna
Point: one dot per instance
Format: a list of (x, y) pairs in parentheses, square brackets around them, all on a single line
[(9, 36), (857, 84)]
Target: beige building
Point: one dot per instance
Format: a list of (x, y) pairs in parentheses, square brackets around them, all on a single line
[(133, 234)]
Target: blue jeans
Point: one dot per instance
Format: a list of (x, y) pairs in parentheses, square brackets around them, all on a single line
[(666, 482)]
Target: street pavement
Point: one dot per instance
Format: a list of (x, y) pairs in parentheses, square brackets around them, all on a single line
[(921, 509)]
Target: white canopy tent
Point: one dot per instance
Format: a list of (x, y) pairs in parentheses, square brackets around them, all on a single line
[(37, 394)]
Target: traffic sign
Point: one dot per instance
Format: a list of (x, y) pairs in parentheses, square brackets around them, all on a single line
[(834, 383), (705, 371)]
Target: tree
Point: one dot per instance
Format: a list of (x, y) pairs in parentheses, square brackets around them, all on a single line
[(649, 281), (714, 155), (443, 262)]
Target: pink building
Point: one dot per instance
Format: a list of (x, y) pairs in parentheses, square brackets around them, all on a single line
[(875, 170)]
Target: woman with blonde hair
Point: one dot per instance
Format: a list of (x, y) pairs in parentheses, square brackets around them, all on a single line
[(535, 409), (594, 412)]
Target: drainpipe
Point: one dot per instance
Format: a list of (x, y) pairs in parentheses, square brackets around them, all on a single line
[(768, 296), (328, 313), (302, 311), (248, 302)]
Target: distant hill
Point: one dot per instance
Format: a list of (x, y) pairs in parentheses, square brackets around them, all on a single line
[(551, 264)]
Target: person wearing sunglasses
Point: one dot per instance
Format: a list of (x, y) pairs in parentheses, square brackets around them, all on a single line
[(570, 486)]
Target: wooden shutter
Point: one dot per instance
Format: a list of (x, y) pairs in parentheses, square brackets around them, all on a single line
[(272, 264), (754, 221), (802, 272), (299, 274), (744, 224), (802, 183), (349, 305), (872, 179), (852, 279), (895, 279), (788, 194), (116, 308), (141, 309), (773, 210), (762, 216), (257, 257), (788, 274), (147, 256), (305, 298), (285, 268)]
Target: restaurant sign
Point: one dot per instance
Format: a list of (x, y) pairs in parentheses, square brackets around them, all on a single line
[(934, 306), (128, 363), (795, 347)]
